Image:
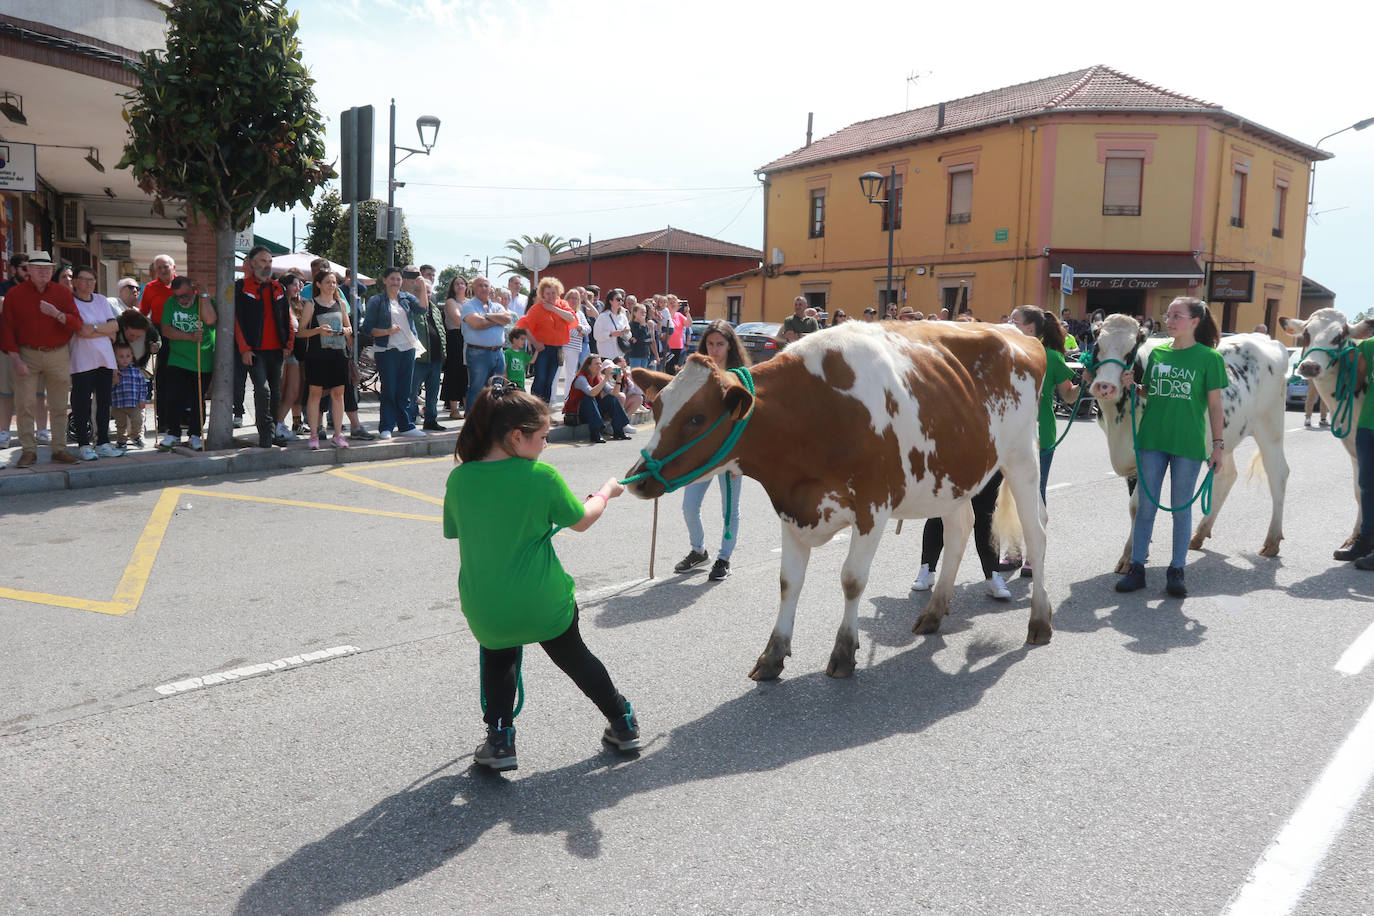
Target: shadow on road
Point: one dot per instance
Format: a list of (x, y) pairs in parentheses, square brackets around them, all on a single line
[(447, 811)]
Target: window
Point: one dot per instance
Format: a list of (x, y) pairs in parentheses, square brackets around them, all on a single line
[(894, 199), (887, 297), (733, 306), (817, 230), (1121, 186), (961, 196), (1238, 181), (815, 301), (1280, 207)]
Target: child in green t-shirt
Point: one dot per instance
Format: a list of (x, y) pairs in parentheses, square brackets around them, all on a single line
[(504, 506), (518, 356)]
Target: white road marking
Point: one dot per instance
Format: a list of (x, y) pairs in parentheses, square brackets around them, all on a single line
[(1060, 486), (607, 591), (1276, 883), (1358, 656), (223, 677)]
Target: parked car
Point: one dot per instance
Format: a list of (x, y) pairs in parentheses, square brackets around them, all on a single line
[(1297, 385), (759, 339), (698, 328)]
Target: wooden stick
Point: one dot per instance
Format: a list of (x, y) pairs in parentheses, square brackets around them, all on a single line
[(200, 392), (653, 540), (899, 526)]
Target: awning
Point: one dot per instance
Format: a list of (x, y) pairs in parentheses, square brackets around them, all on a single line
[(1128, 270)]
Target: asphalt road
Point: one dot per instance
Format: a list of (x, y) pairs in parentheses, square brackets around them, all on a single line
[(1146, 761)]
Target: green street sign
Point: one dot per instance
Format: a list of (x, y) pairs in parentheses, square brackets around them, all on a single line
[(1000, 235)]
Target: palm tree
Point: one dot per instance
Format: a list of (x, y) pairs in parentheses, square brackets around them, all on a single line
[(512, 265)]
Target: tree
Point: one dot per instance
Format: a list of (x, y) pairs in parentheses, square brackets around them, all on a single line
[(371, 250), (512, 265), (325, 217), (224, 119)]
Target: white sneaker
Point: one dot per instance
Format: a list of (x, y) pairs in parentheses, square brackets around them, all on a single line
[(414, 432), (4, 438), (195, 443), (384, 434), (44, 436), (238, 421), (109, 450), (925, 578), (167, 442), (284, 432), (86, 453), (997, 587)]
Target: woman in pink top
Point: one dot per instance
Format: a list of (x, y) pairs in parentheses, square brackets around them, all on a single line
[(677, 340)]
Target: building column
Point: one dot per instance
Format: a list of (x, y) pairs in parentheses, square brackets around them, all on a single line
[(200, 253)]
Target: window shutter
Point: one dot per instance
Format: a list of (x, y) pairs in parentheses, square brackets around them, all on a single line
[(1237, 198), (960, 196), (1121, 187)]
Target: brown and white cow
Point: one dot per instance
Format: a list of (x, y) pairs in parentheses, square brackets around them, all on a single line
[(1252, 404), (1328, 329), (859, 424)]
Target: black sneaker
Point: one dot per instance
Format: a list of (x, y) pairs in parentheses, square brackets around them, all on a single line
[(691, 561), (719, 570), (498, 751), (1173, 577), (1134, 580), (622, 732), (1027, 572), (434, 427), (1358, 548), (361, 435), (1365, 562)]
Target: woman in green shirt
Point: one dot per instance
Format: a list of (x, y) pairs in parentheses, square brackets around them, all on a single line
[(1183, 382), (503, 506)]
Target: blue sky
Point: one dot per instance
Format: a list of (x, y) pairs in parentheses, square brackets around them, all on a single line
[(609, 117)]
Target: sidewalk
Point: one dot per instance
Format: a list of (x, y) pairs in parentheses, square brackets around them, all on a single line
[(148, 465)]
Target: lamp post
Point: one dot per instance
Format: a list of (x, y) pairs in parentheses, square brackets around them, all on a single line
[(872, 184), (1312, 180), (427, 126), (589, 259)]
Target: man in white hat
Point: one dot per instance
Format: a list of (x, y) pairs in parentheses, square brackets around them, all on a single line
[(40, 319)]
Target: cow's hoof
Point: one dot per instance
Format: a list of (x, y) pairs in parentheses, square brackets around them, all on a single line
[(766, 669), (841, 664), (1038, 634), (927, 623), (1271, 547), (1195, 543)]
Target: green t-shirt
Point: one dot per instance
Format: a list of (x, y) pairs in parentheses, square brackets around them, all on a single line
[(1176, 385), (183, 352), (799, 326), (1070, 342), (517, 361), (1366, 348), (1056, 372), (512, 588)]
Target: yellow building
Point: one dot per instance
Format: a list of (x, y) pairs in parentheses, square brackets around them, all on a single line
[(1141, 190)]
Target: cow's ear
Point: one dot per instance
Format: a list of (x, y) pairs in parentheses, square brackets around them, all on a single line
[(1293, 326), (652, 382), (739, 401), (1361, 330)]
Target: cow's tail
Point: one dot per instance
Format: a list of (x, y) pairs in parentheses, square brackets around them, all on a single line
[(1006, 524), (1256, 472)]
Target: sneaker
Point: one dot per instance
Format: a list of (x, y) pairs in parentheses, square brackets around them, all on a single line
[(362, 435), (596, 440), (414, 432), (925, 578), (1358, 548), (693, 559), (1173, 577), (498, 751), (719, 570), (1027, 572), (339, 441), (1365, 562), (384, 434), (4, 438), (136, 442), (298, 428), (622, 732), (1307, 421), (167, 442), (44, 436), (1323, 422), (1134, 580), (313, 444), (194, 442), (621, 437), (629, 430), (238, 420), (63, 457), (434, 427), (996, 587), (109, 451), (284, 432), (86, 453), (1009, 564)]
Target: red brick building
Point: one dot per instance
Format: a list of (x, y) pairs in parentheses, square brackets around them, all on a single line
[(644, 264)]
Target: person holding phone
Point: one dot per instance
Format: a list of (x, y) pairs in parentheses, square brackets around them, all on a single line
[(593, 399)]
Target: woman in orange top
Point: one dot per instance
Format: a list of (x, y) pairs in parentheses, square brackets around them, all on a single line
[(548, 320)]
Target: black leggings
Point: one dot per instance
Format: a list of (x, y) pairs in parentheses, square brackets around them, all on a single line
[(933, 538), (97, 382), (570, 653)]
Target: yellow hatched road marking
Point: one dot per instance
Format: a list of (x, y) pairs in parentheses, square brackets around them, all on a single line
[(308, 505), (390, 488)]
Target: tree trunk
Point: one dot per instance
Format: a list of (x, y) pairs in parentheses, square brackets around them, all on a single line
[(221, 432)]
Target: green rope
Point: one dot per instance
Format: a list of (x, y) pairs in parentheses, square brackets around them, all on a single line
[(519, 682), (1347, 360), (1204, 491), (1082, 391)]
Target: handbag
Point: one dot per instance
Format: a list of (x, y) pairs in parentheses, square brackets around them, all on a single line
[(624, 344)]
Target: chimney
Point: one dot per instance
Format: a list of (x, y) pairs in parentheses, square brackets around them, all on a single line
[(940, 118), (809, 116)]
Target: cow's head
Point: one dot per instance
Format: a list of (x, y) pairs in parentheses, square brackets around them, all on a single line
[(1118, 337), (700, 398), (1322, 335)]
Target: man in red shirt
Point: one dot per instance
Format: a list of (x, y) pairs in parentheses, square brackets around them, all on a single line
[(158, 289), (262, 330), (39, 319)]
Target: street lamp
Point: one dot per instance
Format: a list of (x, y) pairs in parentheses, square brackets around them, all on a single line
[(1312, 180), (872, 184), (427, 126)]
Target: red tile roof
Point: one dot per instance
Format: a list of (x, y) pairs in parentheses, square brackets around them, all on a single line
[(657, 241), (1096, 88)]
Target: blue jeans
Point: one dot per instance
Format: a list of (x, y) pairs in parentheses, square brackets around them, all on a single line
[(1364, 457), (483, 366), (638, 362), (395, 368), (1182, 479), (426, 374), (692, 496), (546, 364), (1046, 459), (594, 412)]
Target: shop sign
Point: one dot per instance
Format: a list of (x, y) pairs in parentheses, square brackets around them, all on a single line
[(1000, 235), (1231, 286), (1119, 282), (18, 171)]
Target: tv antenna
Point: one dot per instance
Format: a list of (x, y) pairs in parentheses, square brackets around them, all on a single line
[(911, 79)]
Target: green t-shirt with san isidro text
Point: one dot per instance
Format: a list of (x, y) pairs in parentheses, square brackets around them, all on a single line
[(1176, 387), (512, 588), (186, 317), (517, 362), (1366, 349), (1056, 373)]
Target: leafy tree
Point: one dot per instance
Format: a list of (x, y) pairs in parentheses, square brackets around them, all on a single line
[(1367, 313), (224, 119), (371, 251), (512, 265), (325, 217)]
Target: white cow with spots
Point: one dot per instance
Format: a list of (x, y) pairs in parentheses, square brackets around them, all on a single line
[(856, 425), (1252, 405)]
